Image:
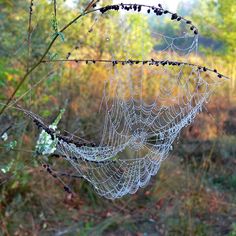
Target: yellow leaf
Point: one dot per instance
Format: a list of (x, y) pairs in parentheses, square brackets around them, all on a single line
[(9, 76)]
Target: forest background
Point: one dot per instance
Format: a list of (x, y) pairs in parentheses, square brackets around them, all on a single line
[(193, 193)]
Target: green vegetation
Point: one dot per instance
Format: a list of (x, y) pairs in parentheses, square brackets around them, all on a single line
[(194, 191)]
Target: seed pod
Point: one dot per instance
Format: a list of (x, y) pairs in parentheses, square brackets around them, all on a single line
[(174, 16)]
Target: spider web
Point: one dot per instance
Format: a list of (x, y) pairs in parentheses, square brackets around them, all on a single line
[(138, 132), (145, 102)]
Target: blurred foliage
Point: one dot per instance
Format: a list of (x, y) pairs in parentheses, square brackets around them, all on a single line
[(194, 193), (219, 23)]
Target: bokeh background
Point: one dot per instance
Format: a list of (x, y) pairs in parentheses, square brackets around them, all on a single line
[(194, 191)]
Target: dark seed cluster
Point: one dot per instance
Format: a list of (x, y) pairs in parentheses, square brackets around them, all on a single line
[(31, 7), (41, 125), (67, 189), (156, 10), (95, 4), (50, 171), (54, 175), (151, 62), (68, 55), (130, 62)]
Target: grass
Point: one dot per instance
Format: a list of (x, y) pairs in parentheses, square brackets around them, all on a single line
[(192, 194), (180, 201)]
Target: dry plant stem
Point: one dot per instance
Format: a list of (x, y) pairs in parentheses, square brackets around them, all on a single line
[(86, 11), (55, 8), (41, 59), (132, 61), (29, 42), (29, 33), (90, 5), (4, 131)]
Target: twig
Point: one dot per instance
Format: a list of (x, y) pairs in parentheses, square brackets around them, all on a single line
[(91, 4), (4, 131), (55, 8), (131, 62), (29, 33)]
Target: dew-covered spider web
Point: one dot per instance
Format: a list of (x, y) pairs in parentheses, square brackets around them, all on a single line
[(149, 95)]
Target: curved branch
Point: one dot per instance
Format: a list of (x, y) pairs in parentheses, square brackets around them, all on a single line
[(151, 62)]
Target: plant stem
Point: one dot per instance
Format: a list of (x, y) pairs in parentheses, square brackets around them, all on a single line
[(55, 8), (29, 33)]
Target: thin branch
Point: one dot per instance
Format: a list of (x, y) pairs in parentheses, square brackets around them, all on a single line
[(51, 172), (29, 33), (132, 62), (55, 8), (29, 43), (4, 131), (40, 124), (91, 5)]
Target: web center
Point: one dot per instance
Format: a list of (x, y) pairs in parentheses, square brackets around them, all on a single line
[(138, 140)]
